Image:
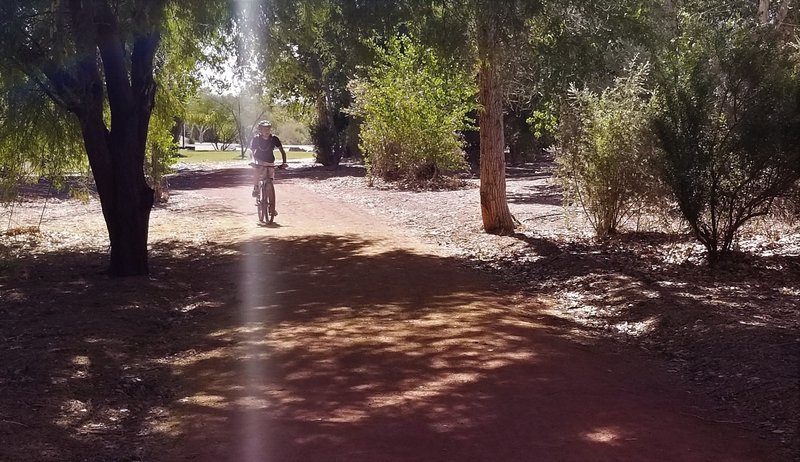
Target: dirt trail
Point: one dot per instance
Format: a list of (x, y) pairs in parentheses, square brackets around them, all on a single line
[(342, 339)]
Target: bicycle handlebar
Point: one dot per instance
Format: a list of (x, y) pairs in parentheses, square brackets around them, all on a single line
[(279, 167)]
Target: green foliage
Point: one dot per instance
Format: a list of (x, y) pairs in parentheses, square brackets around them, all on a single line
[(412, 105), (37, 139), (38, 136), (543, 122), (569, 42), (311, 50), (176, 81), (604, 143), (216, 118), (728, 125), (199, 115), (287, 127), (161, 150)]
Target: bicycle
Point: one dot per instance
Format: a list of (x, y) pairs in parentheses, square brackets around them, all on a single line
[(265, 200)]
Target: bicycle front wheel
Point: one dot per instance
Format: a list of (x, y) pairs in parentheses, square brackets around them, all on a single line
[(263, 203), (271, 202)]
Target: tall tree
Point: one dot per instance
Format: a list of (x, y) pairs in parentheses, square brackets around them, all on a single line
[(536, 49), (496, 215), (95, 59), (528, 52), (483, 30), (310, 52)]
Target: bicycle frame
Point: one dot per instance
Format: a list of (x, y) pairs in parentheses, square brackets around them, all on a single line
[(265, 200), (266, 197)]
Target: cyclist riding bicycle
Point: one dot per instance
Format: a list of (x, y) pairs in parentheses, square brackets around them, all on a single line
[(263, 145)]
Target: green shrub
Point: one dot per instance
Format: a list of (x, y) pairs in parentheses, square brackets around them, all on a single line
[(604, 142), (161, 151), (412, 106), (728, 128)]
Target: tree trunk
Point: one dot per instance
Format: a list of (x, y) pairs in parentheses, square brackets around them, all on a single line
[(323, 133), (123, 78), (763, 11), (130, 90), (784, 23), (783, 12), (125, 197), (497, 217), (128, 226)]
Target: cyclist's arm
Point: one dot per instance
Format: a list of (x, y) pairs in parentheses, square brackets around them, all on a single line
[(253, 148), (279, 145)]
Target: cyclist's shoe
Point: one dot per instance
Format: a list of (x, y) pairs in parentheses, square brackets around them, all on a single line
[(274, 213), (255, 191)]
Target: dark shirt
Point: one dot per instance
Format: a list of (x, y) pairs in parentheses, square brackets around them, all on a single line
[(262, 147)]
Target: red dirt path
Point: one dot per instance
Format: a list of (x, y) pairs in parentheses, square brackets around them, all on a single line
[(330, 336), (346, 340)]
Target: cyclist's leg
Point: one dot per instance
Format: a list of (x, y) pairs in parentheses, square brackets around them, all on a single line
[(257, 175)]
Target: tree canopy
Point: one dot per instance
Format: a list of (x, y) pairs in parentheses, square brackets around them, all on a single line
[(93, 65), (114, 75)]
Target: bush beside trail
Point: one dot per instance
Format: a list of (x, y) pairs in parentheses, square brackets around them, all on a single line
[(412, 106)]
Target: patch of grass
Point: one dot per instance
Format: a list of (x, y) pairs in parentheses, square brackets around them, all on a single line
[(187, 155)]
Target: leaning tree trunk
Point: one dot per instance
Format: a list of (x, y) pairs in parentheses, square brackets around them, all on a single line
[(497, 217)]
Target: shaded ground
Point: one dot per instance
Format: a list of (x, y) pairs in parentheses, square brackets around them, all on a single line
[(734, 333), (337, 336)]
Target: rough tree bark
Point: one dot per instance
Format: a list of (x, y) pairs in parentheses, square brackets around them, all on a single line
[(780, 15), (763, 11), (496, 216)]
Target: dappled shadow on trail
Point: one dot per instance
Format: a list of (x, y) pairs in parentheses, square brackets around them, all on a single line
[(318, 348), (320, 172), (731, 330), (371, 361), (540, 194), (211, 179), (243, 176)]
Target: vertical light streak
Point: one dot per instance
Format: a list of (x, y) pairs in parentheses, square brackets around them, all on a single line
[(257, 292), (255, 283)]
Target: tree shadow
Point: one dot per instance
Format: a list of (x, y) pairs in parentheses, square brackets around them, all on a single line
[(243, 176), (540, 194), (732, 330), (44, 188), (538, 245), (522, 171), (211, 179), (320, 172), (318, 348)]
